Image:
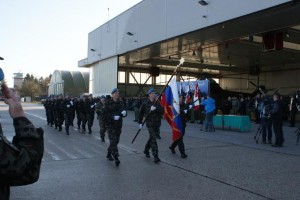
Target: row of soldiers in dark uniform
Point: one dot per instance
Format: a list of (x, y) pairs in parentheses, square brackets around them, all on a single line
[(110, 112), (60, 110)]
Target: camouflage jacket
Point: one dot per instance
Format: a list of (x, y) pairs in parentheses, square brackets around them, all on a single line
[(112, 109), (154, 118), (68, 106), (100, 110), (20, 160)]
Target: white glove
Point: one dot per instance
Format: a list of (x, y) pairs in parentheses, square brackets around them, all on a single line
[(68, 106), (190, 107), (95, 104), (71, 102), (123, 113), (153, 108), (185, 111), (117, 117), (140, 126), (298, 107), (92, 106)]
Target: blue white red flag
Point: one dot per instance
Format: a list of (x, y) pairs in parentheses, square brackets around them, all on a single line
[(196, 98), (170, 102)]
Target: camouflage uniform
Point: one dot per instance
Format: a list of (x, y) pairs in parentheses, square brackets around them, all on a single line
[(113, 108), (83, 114), (72, 112), (46, 106), (60, 112), (50, 112), (153, 124), (20, 160), (77, 111), (90, 112), (68, 113), (100, 113), (54, 107)]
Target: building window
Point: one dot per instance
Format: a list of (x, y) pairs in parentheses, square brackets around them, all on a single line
[(162, 79), (121, 77)]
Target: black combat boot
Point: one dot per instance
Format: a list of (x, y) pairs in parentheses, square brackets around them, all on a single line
[(147, 153), (156, 159), (172, 149), (117, 162), (102, 139), (60, 128), (183, 155), (109, 157), (90, 131), (67, 132)]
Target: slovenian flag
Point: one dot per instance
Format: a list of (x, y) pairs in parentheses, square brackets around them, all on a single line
[(170, 102)]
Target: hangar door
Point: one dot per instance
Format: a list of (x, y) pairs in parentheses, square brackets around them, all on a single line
[(104, 76)]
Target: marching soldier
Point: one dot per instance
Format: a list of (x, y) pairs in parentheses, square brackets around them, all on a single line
[(153, 123), (83, 115), (60, 112), (54, 111), (114, 111), (90, 112), (68, 112), (99, 110), (46, 106), (77, 111)]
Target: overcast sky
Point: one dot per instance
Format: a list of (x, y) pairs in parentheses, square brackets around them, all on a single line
[(40, 36)]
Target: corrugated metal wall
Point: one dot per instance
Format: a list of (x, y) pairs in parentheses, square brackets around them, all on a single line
[(152, 21), (103, 76)]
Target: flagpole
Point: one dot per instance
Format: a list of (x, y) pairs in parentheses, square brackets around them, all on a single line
[(174, 73)]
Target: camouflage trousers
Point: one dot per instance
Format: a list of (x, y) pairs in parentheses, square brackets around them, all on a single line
[(78, 119), (102, 128), (114, 138), (68, 120), (83, 118), (90, 120), (151, 143)]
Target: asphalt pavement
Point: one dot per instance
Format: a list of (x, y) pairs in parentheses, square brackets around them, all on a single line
[(225, 164)]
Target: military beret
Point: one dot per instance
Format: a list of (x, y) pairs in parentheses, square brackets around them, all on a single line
[(151, 90), (114, 90), (102, 97)]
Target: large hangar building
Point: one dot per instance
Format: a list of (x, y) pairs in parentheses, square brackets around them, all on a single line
[(233, 41), (69, 82)]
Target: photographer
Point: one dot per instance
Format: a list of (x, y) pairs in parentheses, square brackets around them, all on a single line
[(265, 106), (20, 160)]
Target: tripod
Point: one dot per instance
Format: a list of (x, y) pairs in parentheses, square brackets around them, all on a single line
[(298, 135), (258, 133)]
